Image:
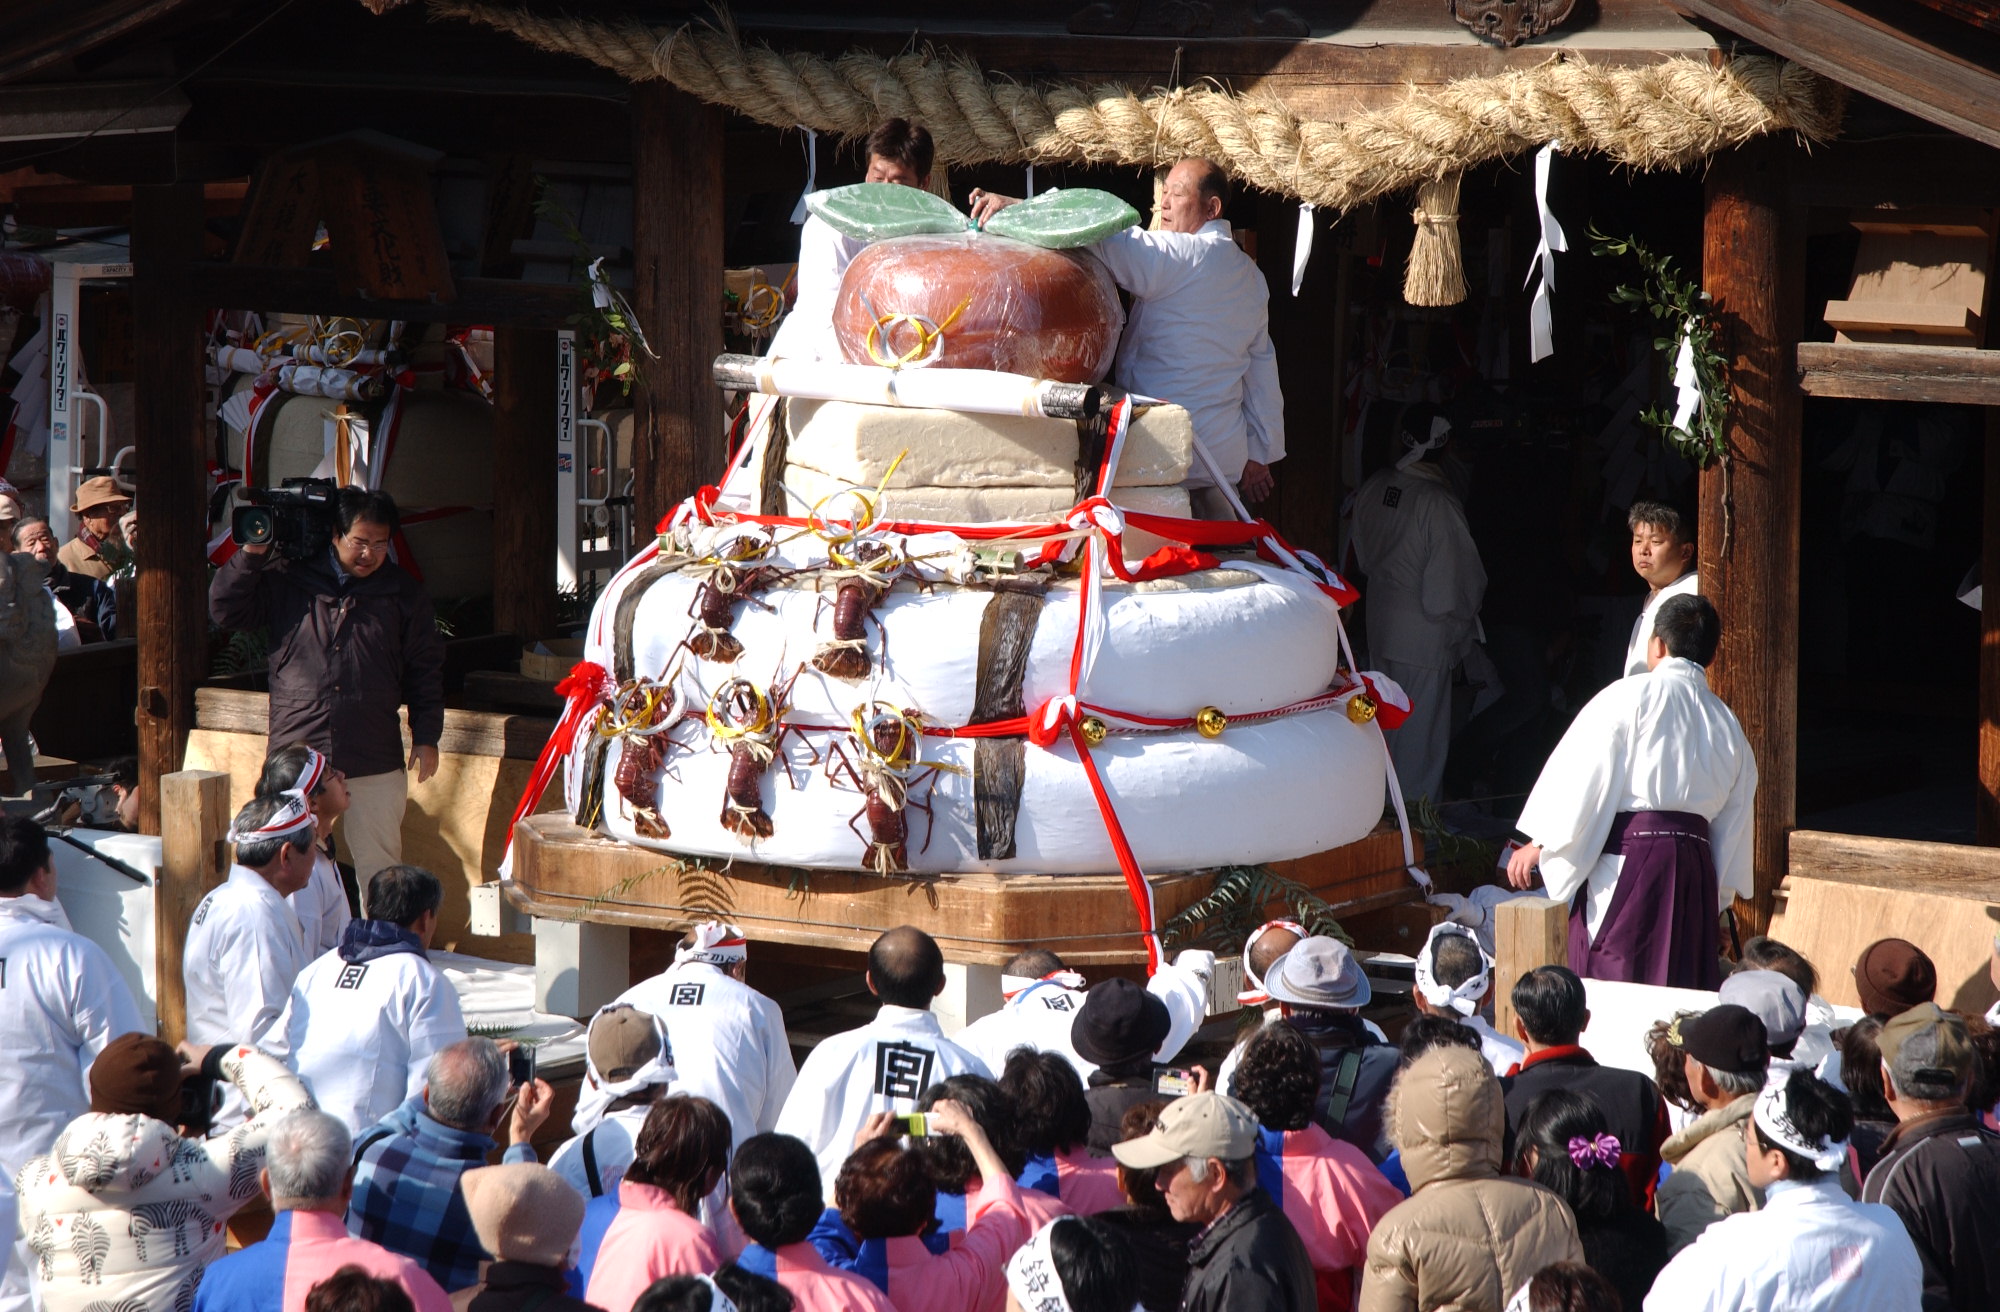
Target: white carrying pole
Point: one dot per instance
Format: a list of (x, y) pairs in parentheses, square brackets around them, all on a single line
[(981, 391)]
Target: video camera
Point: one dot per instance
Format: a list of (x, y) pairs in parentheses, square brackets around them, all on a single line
[(296, 520)]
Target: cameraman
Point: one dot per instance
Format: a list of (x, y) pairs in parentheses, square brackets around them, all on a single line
[(353, 637)]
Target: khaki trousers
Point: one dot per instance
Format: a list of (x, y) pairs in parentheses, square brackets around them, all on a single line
[(372, 829)]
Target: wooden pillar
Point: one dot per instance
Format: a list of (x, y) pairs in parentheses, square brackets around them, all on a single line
[(1752, 265), (196, 815), (678, 442), (172, 478), (1989, 636), (1528, 932), (524, 479)]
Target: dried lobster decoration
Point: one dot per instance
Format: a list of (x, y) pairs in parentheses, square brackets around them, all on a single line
[(881, 757), (729, 575), (865, 574), (750, 722), (643, 713)]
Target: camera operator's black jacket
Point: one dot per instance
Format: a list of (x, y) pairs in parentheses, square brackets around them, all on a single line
[(343, 657)]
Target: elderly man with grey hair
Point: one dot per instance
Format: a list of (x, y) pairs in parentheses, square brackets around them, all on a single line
[(406, 1185), (308, 1177), (1940, 1167), (1727, 1053)]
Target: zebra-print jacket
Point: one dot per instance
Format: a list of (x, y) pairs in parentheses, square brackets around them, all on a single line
[(125, 1213)]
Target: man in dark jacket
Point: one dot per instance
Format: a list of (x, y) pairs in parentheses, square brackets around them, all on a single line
[(1247, 1254), (1118, 1027), (1550, 1017), (353, 637), (1940, 1168), (1321, 989)]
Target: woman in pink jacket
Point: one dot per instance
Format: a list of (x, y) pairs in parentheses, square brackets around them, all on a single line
[(1052, 1124), (682, 1152)]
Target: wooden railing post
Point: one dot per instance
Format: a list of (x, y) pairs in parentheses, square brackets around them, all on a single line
[(194, 817), (1527, 932)]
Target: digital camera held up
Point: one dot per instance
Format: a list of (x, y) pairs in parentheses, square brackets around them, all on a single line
[(296, 520)]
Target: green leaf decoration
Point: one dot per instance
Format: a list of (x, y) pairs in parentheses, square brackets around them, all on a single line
[(1063, 219), (874, 211)]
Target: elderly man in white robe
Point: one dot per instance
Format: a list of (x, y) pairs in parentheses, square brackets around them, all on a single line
[(885, 1065), (1425, 585), (1199, 331), (245, 945), (1643, 815), (899, 153)]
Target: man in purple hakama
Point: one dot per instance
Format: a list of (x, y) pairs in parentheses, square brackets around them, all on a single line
[(1641, 818)]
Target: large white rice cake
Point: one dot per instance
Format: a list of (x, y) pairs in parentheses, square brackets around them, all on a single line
[(948, 448)]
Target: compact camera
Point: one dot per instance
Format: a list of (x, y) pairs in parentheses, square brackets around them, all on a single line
[(295, 520)]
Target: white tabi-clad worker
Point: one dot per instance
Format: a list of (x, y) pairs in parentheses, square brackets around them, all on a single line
[(322, 904), (1198, 334), (61, 1002), (1810, 1248), (628, 1066), (1042, 998), (1261, 950), (885, 1065), (729, 1039), (365, 1019), (1425, 583), (899, 153), (245, 946), (1663, 555), (1641, 818), (1453, 975)]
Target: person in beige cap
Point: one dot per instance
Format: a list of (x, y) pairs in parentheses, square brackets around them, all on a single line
[(96, 550), (1247, 1254), (527, 1217), (628, 1066)]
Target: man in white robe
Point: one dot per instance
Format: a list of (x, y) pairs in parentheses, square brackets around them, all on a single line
[(245, 946), (1453, 974), (899, 153), (885, 1065), (628, 1066), (1421, 601), (1643, 815), (61, 1002), (1663, 555), (1810, 1248), (728, 1039), (364, 1020), (321, 905), (1042, 997), (1198, 334)]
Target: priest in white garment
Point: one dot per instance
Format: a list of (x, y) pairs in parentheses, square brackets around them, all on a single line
[(1663, 555), (899, 153), (1642, 816)]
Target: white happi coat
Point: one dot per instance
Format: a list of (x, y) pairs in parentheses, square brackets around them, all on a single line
[(1649, 742), (884, 1066), (61, 1001), (1810, 1248), (1040, 1016), (1199, 336), (361, 1033), (729, 1046), (807, 332), (321, 906), (245, 949), (1501, 1052), (611, 1146), (1687, 585)]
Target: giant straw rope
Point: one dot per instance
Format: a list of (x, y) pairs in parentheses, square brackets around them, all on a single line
[(1662, 115)]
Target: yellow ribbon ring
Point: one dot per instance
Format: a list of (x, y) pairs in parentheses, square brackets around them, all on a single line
[(930, 337), (719, 713), (818, 524), (870, 714)]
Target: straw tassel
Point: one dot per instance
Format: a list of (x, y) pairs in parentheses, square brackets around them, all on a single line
[(1436, 273)]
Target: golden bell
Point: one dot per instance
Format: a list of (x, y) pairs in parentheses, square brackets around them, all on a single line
[(1209, 722), (1094, 730), (1361, 708)]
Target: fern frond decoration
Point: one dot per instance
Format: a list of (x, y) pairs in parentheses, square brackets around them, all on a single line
[(1242, 899)]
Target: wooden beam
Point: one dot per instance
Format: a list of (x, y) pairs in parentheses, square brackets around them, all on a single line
[(1749, 547), (171, 438), (318, 291), (1865, 371), (678, 443), (1527, 932), (1957, 869), (196, 814), (467, 733), (524, 458)]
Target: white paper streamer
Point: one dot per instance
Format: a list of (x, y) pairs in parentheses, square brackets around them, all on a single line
[(1541, 332), (1687, 383), (812, 173), (1302, 249)]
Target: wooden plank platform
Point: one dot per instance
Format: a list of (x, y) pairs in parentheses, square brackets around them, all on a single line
[(563, 871)]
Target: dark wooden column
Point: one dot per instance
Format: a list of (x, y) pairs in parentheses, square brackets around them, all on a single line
[(524, 481), (1752, 266), (172, 477), (679, 443), (1989, 636)]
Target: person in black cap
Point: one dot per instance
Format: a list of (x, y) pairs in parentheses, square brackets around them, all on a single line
[(1119, 1027), (1727, 1053)]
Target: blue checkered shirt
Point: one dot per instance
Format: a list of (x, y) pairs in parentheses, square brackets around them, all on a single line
[(406, 1194)]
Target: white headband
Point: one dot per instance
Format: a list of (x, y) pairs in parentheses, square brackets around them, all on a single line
[(715, 943), (717, 1300), (1465, 998), (1440, 430), (295, 814), (310, 774), (659, 1070), (1010, 985), (1254, 995), (1773, 1116)]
